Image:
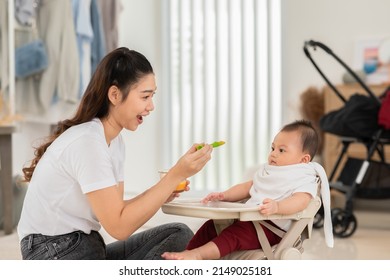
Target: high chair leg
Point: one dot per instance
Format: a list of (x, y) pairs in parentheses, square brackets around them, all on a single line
[(290, 237)]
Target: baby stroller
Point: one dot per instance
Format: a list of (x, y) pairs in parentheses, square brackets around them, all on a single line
[(356, 122)]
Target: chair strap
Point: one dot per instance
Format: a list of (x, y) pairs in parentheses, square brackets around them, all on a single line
[(265, 246), (273, 228)]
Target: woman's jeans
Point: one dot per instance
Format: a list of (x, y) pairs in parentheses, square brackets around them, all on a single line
[(145, 245)]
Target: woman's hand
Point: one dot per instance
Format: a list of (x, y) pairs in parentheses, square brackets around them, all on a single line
[(175, 194), (172, 197), (215, 196), (192, 161), (188, 165)]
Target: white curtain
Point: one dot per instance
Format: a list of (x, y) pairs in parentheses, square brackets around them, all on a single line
[(223, 83)]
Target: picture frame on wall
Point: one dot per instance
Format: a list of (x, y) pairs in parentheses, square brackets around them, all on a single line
[(369, 59)]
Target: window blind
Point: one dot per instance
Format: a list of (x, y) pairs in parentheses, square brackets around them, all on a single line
[(221, 82)]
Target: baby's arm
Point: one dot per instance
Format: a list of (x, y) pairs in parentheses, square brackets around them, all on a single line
[(215, 196), (293, 204), (235, 193)]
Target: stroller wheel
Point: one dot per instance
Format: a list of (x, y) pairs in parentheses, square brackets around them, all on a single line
[(344, 224)]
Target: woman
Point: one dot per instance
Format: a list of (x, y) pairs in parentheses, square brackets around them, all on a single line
[(76, 178)]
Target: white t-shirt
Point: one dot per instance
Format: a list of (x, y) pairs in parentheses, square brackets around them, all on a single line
[(79, 161)]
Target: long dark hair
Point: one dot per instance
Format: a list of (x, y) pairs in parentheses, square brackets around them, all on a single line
[(122, 68)]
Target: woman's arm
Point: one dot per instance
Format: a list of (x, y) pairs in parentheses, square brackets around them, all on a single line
[(122, 218)]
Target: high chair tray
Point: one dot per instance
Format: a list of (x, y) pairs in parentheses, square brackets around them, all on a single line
[(226, 210)]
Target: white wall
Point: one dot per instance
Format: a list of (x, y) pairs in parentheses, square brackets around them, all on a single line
[(336, 23), (139, 29)]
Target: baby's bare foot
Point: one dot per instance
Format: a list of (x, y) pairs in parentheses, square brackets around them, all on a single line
[(172, 256), (185, 255)]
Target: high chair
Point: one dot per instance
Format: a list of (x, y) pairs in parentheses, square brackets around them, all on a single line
[(224, 213)]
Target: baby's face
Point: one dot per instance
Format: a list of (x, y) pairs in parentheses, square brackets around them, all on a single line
[(286, 149)]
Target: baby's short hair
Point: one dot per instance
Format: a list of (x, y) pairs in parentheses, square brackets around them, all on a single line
[(309, 137)]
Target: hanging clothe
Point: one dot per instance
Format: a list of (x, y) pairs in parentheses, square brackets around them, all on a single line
[(25, 11), (84, 35), (110, 11), (56, 28), (98, 46), (3, 45)]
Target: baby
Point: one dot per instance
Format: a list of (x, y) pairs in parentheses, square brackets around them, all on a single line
[(284, 185)]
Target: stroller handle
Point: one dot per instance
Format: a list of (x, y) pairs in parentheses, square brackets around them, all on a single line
[(314, 45)]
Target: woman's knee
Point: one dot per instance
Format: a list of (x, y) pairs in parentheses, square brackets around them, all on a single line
[(184, 232)]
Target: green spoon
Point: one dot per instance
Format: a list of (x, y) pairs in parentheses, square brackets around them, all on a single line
[(215, 144)]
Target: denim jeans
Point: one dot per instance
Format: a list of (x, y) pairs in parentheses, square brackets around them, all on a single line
[(150, 244), (145, 245)]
